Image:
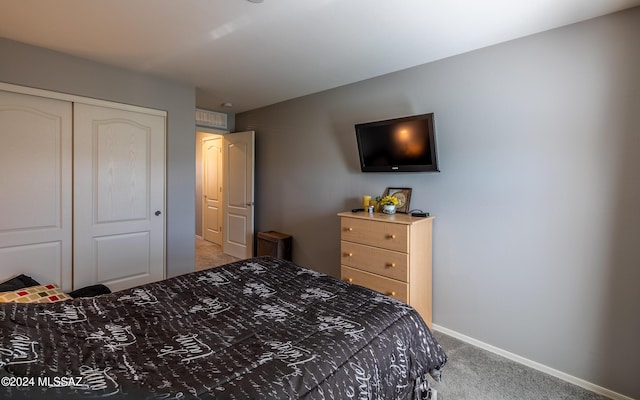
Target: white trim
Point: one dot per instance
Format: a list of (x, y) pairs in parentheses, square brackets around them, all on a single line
[(215, 131), (533, 364), (8, 87)]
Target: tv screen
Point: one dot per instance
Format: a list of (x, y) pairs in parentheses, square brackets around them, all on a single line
[(398, 145)]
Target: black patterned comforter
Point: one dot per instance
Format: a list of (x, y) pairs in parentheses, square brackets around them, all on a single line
[(255, 329)]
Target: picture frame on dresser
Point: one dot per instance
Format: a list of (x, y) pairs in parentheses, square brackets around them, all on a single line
[(403, 195)]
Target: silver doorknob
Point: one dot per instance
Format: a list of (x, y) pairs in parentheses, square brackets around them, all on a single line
[(158, 213)]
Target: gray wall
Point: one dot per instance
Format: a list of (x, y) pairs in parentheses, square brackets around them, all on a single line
[(44, 69), (536, 237)]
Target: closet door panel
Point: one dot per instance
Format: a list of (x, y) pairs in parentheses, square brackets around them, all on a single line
[(119, 197), (122, 163), (35, 177), (42, 261), (117, 256)]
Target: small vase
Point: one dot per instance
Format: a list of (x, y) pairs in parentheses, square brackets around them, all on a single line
[(389, 209)]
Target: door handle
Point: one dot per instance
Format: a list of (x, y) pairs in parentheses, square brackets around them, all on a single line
[(157, 213), (250, 204)]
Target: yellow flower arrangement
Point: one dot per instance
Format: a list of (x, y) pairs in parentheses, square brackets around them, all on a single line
[(387, 201)]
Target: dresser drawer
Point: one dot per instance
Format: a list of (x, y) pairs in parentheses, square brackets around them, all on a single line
[(390, 287), (392, 264), (387, 235)]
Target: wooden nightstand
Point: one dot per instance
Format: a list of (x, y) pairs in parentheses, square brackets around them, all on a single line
[(390, 254)]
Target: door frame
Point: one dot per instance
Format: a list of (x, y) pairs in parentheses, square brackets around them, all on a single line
[(8, 87)]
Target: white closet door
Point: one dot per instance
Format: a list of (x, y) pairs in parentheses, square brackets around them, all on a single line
[(119, 169), (35, 184)]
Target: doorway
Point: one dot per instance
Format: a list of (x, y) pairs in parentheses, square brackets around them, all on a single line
[(208, 253), (224, 194)]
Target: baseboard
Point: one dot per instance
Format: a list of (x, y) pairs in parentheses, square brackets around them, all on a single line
[(533, 364)]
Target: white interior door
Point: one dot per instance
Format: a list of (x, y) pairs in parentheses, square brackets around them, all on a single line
[(212, 189), (119, 169), (35, 180), (238, 156)]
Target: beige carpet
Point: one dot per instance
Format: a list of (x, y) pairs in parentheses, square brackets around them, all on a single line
[(209, 255), (473, 373)]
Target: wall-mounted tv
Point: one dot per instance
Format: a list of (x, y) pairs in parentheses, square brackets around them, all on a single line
[(405, 144)]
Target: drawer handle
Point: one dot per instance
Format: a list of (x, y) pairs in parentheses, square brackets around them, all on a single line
[(350, 280), (349, 229), (348, 254), (391, 236), (391, 265), (391, 293)]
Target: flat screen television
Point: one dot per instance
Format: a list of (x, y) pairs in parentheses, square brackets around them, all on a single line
[(405, 144)]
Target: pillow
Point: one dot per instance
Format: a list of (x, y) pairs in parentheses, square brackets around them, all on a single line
[(18, 282), (35, 294), (90, 291)]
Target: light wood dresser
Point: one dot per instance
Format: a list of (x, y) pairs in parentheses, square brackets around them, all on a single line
[(390, 254)]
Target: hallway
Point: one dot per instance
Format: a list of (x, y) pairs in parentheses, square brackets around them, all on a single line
[(209, 255)]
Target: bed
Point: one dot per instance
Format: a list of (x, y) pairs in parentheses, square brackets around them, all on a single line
[(262, 328)]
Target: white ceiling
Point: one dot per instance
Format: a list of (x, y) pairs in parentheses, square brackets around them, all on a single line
[(254, 55)]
